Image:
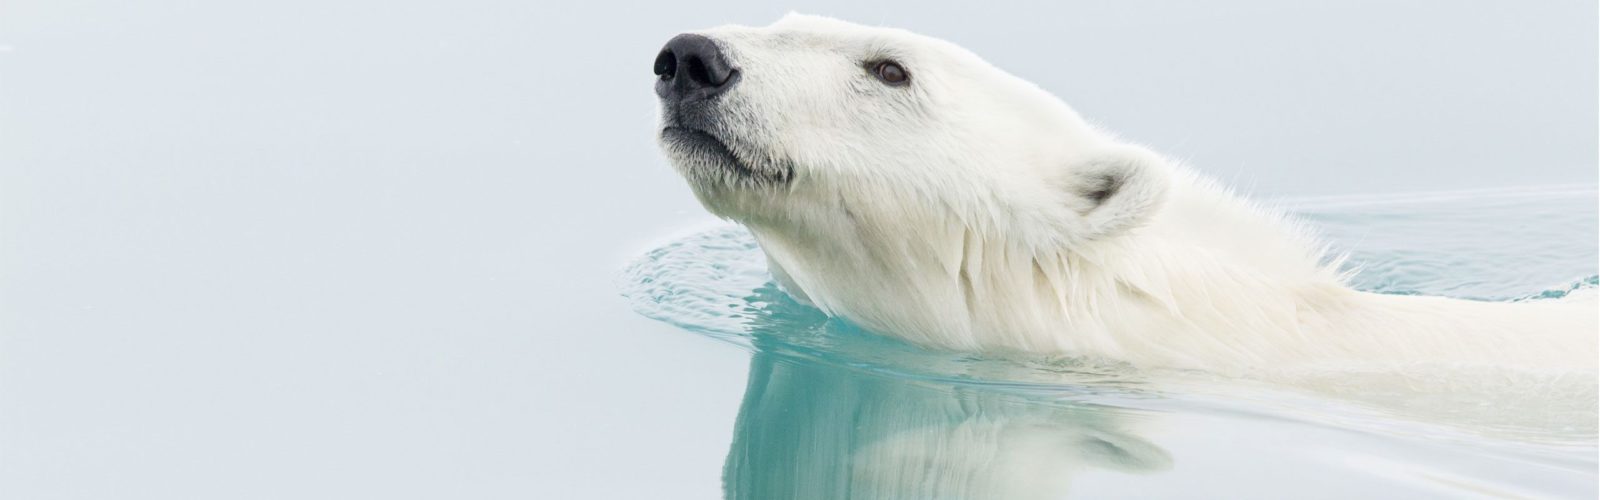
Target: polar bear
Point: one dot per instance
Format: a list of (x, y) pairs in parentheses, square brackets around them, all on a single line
[(902, 183)]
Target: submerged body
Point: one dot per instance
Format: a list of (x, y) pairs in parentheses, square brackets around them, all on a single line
[(900, 182)]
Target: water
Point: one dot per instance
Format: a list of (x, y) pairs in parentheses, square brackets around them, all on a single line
[(367, 249), (831, 411)]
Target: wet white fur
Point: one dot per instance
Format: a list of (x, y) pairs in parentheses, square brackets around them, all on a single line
[(955, 213)]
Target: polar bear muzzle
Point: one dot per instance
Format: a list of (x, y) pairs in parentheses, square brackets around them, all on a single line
[(693, 77), (693, 68)]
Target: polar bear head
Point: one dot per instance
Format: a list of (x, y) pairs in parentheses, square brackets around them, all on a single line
[(812, 124)]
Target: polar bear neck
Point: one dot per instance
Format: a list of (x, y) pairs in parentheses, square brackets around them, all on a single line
[(1210, 281), (940, 279)]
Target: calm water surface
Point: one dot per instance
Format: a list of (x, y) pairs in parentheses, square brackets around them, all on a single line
[(368, 249), (833, 412)]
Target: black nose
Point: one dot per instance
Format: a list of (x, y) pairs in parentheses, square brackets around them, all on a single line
[(692, 67)]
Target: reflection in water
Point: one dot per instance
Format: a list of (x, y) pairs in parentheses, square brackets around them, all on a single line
[(810, 430), (833, 412)]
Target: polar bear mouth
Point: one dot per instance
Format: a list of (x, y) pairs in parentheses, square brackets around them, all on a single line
[(698, 145)]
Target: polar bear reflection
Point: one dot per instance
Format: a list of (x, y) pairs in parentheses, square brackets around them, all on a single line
[(809, 430)]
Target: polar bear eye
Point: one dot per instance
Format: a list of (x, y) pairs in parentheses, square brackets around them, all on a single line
[(890, 73)]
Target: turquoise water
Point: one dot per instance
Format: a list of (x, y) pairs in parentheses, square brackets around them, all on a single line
[(831, 411), (368, 249)]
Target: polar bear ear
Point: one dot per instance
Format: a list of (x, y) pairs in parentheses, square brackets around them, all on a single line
[(1117, 189)]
